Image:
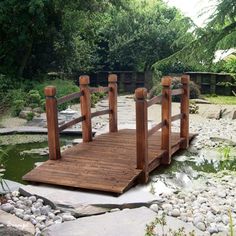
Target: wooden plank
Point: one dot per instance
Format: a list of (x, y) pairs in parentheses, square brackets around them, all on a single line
[(99, 89), (69, 97), (100, 165), (100, 113), (112, 84), (71, 123), (142, 133), (85, 102), (154, 100), (52, 123), (175, 92)]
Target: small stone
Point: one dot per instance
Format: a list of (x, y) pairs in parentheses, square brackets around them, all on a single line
[(15, 193), (33, 221), (175, 212), (154, 207), (67, 217), (32, 198), (7, 207), (51, 215), (40, 200), (225, 219), (201, 226), (222, 194), (212, 228), (28, 202), (26, 217), (57, 219), (49, 222), (38, 205), (167, 206), (41, 218), (15, 199), (45, 210)]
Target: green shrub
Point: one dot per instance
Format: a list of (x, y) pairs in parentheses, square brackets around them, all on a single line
[(33, 97), (194, 89), (30, 116), (17, 106)]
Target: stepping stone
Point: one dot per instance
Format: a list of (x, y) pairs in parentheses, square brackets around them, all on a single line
[(130, 222), (82, 203), (12, 225)]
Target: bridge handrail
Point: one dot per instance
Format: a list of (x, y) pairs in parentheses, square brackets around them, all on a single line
[(142, 132), (85, 101)]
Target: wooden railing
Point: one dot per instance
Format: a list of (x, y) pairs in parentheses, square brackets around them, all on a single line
[(142, 132), (85, 101)]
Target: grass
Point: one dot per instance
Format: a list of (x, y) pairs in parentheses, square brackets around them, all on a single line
[(224, 100)]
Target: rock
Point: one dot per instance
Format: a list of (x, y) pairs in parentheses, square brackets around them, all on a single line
[(24, 114), (32, 198), (67, 217), (175, 212), (214, 115), (200, 101), (51, 215), (26, 217), (229, 114), (225, 219), (213, 228), (167, 207), (126, 222), (12, 225), (45, 210), (38, 110), (41, 218), (154, 207), (81, 203), (7, 207), (201, 226)]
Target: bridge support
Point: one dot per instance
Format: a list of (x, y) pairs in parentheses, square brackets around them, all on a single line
[(142, 133), (52, 123)]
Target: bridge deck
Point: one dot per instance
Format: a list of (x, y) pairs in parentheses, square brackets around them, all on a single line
[(106, 164)]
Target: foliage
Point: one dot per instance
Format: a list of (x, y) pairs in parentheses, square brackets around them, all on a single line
[(194, 89), (227, 100), (219, 33), (2, 170), (17, 107), (150, 229), (193, 108), (30, 116)]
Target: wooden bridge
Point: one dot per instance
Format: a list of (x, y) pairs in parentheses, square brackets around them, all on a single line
[(114, 161)]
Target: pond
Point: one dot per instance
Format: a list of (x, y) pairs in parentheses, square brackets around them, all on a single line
[(19, 161)]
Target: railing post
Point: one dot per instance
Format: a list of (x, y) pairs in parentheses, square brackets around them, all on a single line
[(166, 118), (52, 123), (85, 103), (112, 84), (142, 133), (184, 123)]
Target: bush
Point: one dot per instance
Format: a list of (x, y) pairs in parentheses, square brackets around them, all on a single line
[(194, 89), (30, 116), (17, 106)]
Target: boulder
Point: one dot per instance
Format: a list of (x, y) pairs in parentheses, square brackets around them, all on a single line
[(12, 225)]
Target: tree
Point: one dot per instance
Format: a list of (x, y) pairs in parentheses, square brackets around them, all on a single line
[(219, 33)]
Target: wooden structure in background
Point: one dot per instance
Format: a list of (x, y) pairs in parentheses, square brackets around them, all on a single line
[(114, 161)]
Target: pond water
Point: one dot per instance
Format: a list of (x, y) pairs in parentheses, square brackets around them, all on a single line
[(17, 162), (210, 161)]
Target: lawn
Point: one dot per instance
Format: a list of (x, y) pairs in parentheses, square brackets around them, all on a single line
[(228, 100)]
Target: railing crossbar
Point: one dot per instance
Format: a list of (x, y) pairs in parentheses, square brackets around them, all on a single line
[(70, 123), (154, 100), (69, 97), (100, 113), (176, 117), (175, 92), (156, 128)]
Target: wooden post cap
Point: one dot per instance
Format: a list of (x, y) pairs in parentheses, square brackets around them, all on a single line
[(112, 78), (166, 81), (50, 91), (84, 80), (141, 93), (185, 79)]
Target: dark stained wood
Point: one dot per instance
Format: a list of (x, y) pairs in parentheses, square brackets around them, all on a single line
[(100, 113), (142, 133), (99, 89), (176, 117), (101, 165), (69, 97), (166, 117), (154, 100), (175, 92), (112, 84), (184, 123), (85, 102), (71, 122), (156, 128), (52, 123)]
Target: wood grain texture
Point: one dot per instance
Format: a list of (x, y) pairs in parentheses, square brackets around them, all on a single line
[(154, 100), (69, 97), (166, 117), (52, 123), (112, 96), (101, 165), (85, 103), (184, 123)]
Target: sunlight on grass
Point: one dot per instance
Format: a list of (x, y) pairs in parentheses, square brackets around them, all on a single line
[(228, 100)]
